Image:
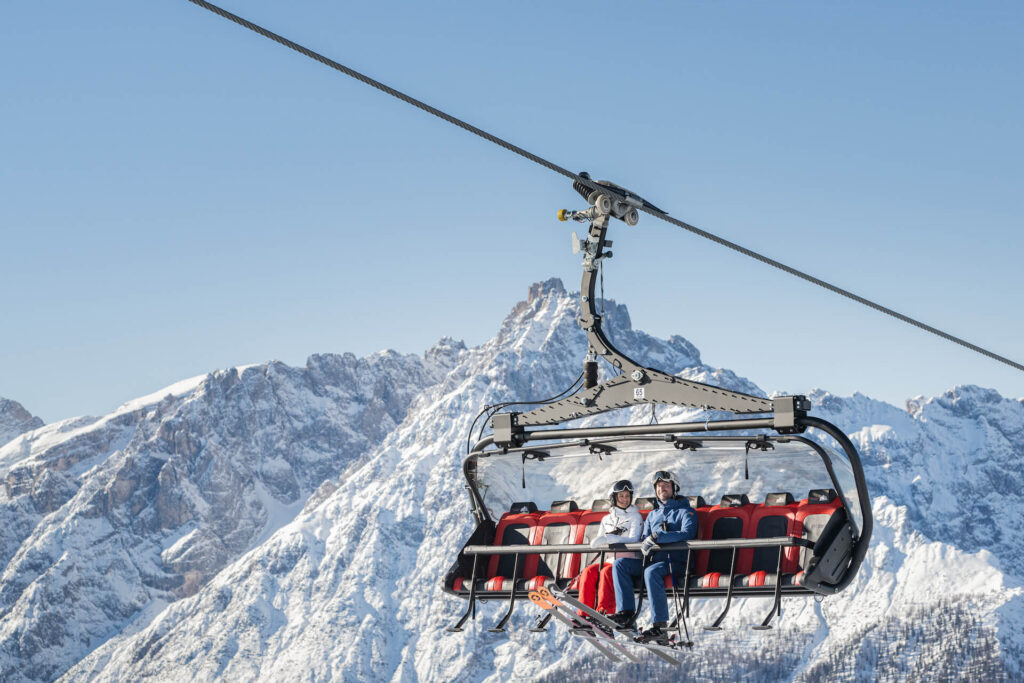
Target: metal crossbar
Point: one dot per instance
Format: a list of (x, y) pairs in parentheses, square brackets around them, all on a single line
[(724, 544)]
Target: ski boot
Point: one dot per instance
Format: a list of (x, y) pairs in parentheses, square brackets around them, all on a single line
[(623, 619), (656, 634)]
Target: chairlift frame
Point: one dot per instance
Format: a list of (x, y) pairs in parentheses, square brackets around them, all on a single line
[(839, 552)]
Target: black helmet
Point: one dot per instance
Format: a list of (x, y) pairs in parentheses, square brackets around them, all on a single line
[(618, 487), (665, 475)]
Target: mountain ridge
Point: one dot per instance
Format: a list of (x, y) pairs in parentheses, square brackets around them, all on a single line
[(349, 588), (143, 506)]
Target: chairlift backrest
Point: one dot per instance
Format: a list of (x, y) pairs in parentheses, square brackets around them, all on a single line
[(729, 519), (812, 514), (514, 529), (702, 509), (590, 524), (558, 528), (775, 518)]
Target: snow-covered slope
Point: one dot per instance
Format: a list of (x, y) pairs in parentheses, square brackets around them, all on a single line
[(15, 420), (103, 521), (350, 589)]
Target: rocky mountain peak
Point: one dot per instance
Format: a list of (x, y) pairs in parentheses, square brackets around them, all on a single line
[(15, 420), (538, 290), (147, 504), (183, 539)]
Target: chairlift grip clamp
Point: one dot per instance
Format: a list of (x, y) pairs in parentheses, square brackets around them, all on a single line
[(507, 431), (787, 411)]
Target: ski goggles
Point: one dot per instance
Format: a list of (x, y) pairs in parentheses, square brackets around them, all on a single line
[(622, 485), (664, 475)]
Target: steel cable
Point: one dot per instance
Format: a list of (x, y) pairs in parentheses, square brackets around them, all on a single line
[(591, 184), (833, 288), (391, 91)]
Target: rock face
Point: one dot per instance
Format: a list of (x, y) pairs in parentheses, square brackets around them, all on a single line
[(162, 561), (106, 519), (15, 420)]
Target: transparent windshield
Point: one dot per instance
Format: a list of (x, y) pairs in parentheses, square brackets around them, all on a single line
[(714, 469), (848, 484)]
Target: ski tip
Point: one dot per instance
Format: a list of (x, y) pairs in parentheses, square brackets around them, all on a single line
[(538, 600), (546, 594)]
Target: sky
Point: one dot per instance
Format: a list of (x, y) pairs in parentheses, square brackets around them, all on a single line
[(179, 195)]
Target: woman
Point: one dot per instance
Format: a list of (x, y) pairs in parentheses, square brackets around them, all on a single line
[(622, 524)]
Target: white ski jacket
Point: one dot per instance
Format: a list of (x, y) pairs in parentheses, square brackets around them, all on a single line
[(620, 526)]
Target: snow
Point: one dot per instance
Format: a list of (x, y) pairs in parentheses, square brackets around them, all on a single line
[(174, 390), (156, 498), (278, 513), (312, 520)]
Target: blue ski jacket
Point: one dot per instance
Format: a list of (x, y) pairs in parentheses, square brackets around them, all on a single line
[(673, 521)]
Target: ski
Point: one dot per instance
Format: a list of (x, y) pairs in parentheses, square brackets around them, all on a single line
[(655, 648), (590, 637), (578, 627)]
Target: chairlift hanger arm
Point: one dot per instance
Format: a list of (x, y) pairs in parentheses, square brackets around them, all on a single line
[(637, 385)]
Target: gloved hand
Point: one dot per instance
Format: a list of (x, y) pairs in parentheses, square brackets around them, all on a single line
[(619, 530), (649, 544)]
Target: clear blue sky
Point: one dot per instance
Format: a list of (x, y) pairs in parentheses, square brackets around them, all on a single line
[(179, 195)]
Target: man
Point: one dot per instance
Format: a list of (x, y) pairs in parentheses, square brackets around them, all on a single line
[(673, 521)]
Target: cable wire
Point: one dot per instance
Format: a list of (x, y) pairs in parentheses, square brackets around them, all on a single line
[(495, 407), (832, 288), (594, 186)]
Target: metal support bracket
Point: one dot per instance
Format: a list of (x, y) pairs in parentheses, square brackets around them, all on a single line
[(717, 625), (635, 385), (500, 627), (542, 625), (471, 607), (777, 602)]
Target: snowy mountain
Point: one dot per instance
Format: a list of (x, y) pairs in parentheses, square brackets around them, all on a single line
[(15, 420), (180, 537), (103, 521)]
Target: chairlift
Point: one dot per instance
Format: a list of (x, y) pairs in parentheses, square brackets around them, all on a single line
[(799, 527)]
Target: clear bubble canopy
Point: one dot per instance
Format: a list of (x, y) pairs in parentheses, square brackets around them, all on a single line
[(710, 467)]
